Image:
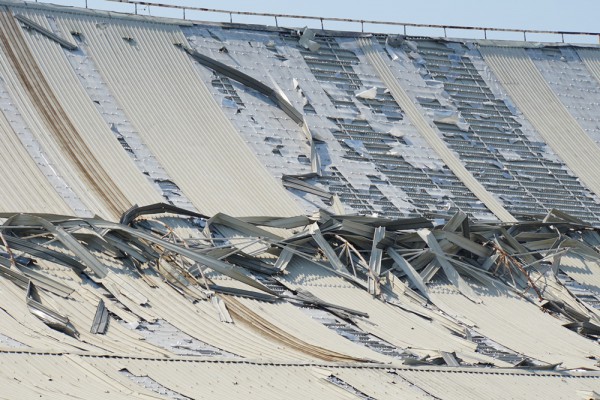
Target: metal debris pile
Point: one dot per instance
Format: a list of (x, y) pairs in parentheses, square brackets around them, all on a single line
[(396, 261)]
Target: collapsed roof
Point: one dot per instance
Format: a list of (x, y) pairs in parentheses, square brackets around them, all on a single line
[(351, 215)]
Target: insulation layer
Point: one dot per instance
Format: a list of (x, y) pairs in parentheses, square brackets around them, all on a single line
[(430, 135), (178, 119), (526, 86)]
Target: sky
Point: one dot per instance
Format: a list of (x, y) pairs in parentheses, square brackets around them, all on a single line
[(565, 15)]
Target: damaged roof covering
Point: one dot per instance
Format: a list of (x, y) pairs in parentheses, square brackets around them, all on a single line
[(352, 305), (320, 214)]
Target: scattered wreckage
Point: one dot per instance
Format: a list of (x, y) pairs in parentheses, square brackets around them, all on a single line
[(394, 261)]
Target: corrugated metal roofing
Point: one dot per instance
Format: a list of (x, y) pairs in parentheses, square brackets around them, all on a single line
[(188, 132), (431, 136), (101, 113), (97, 377), (66, 137), (517, 324), (533, 96)]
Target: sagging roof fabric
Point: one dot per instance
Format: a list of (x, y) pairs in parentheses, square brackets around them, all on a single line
[(320, 215)]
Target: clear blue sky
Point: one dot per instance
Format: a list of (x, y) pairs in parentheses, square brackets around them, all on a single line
[(568, 15)]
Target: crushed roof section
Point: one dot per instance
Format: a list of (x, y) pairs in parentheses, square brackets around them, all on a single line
[(297, 232), (335, 304)]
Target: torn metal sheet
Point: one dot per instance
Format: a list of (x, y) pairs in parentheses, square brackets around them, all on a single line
[(306, 40), (65, 238), (449, 270), (101, 319), (450, 359), (221, 308), (152, 385), (17, 278), (241, 77), (291, 182), (376, 253), (410, 272), (278, 222), (36, 250), (32, 25), (283, 260), (350, 235), (402, 97), (48, 316), (171, 275), (219, 266), (45, 282), (329, 252), (368, 94), (152, 209), (450, 117), (467, 244), (277, 96)]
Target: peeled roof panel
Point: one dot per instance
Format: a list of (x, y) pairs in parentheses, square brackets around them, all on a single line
[(302, 329), (418, 119), (517, 324), (201, 321), (309, 336), (583, 270), (290, 318), (188, 133), (525, 84), (117, 338), (32, 331), (60, 137), (198, 320), (403, 329)]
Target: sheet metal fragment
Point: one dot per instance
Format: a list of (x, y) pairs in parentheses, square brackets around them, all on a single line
[(48, 316), (449, 270), (101, 318), (32, 25), (410, 272), (334, 260)]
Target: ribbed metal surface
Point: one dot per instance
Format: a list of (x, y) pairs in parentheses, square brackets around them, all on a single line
[(327, 335), (591, 59), (19, 167), (517, 324), (94, 377), (417, 118), (392, 325), (526, 86), (582, 272), (505, 153), (66, 124), (178, 118)]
